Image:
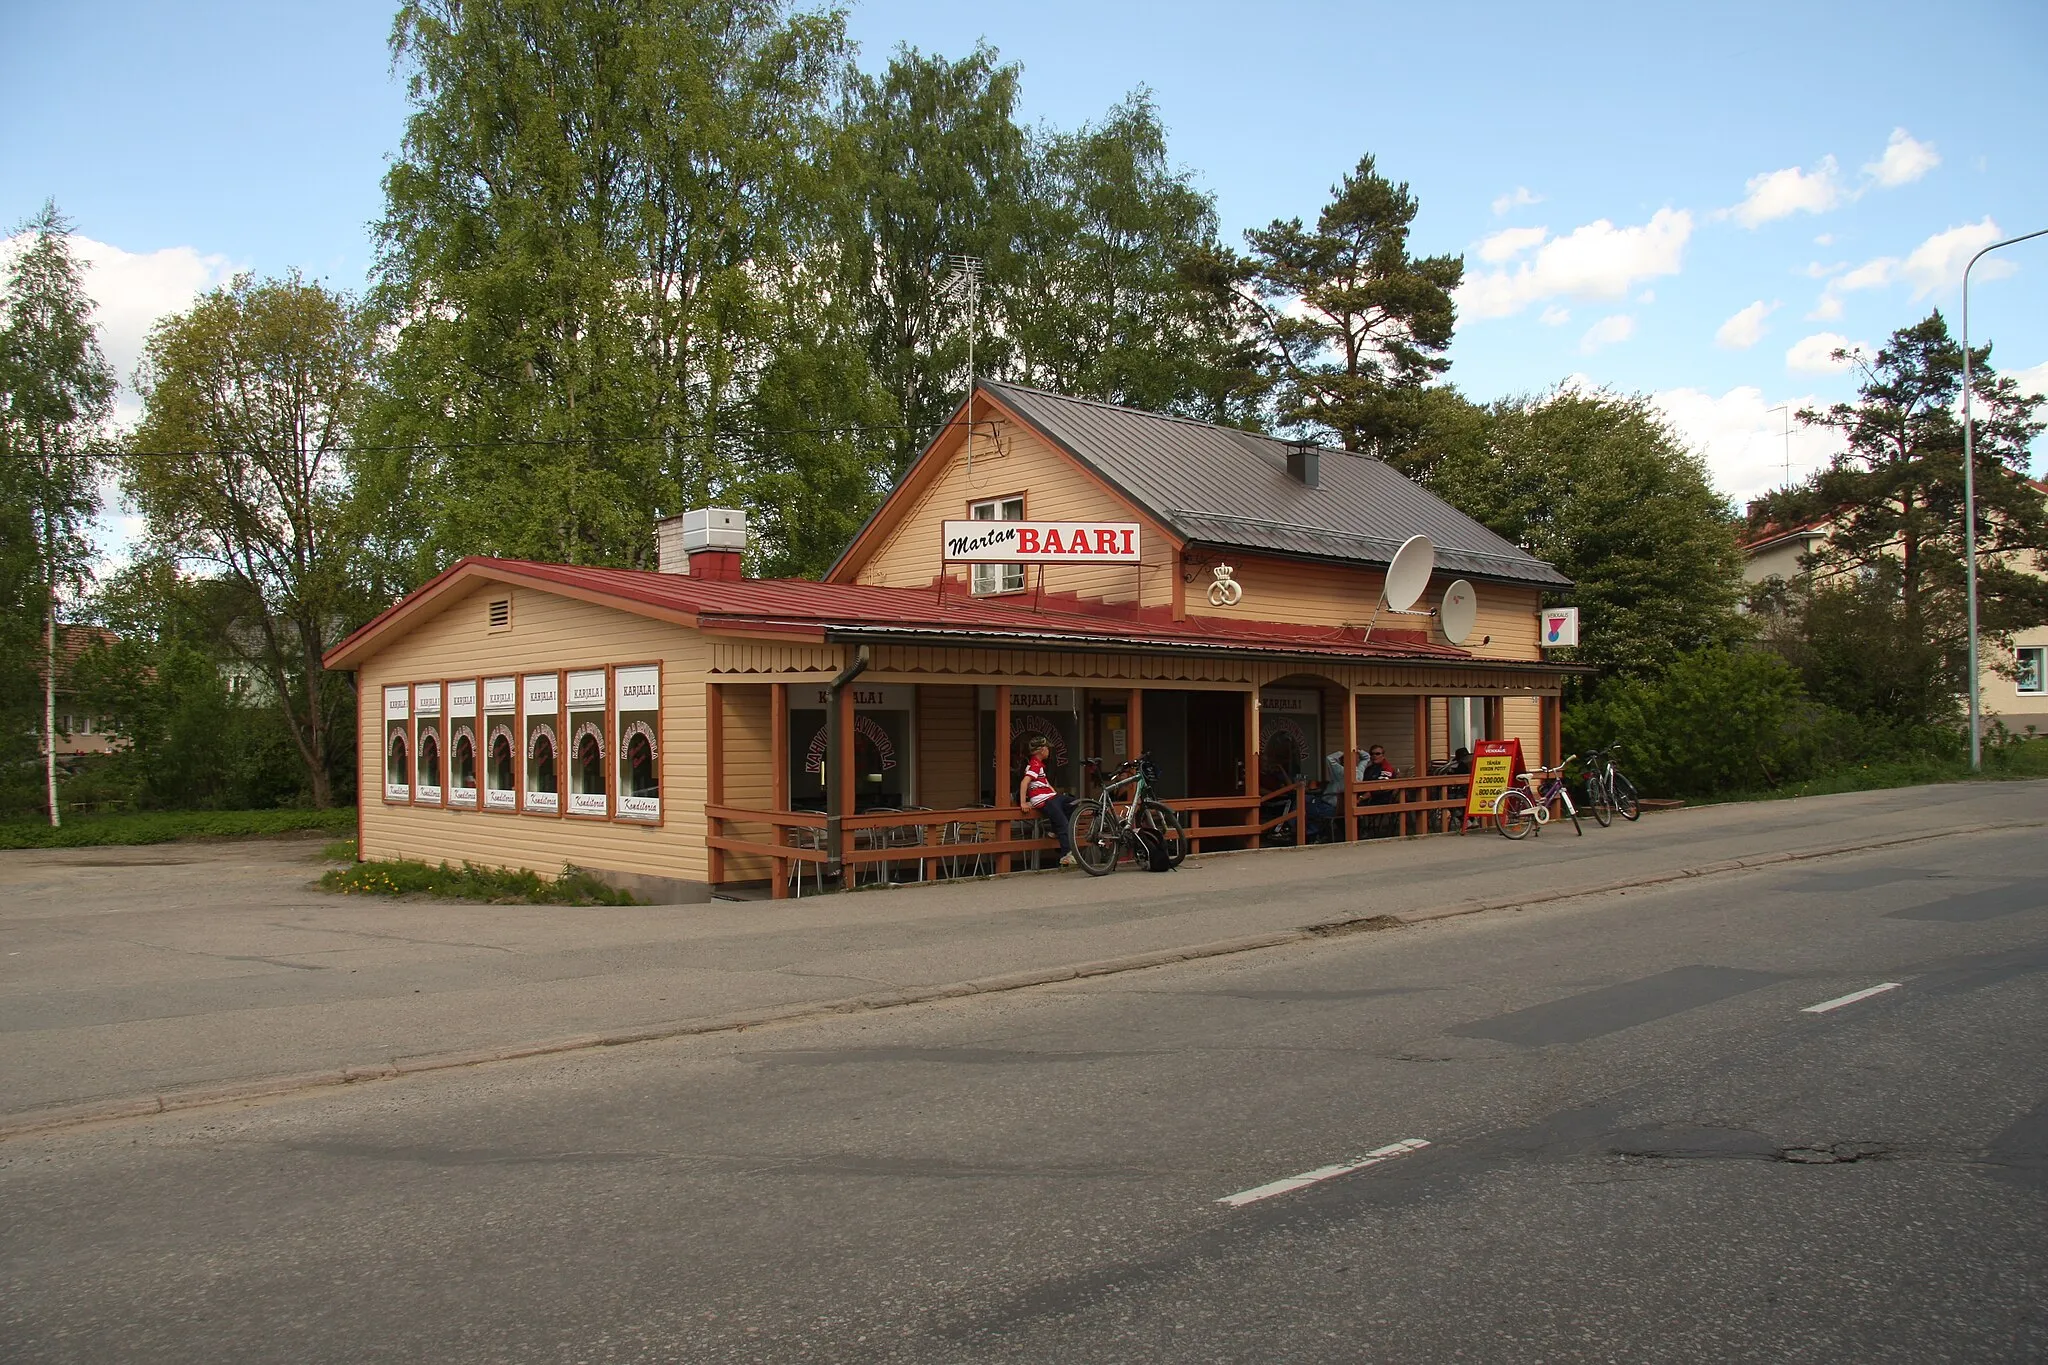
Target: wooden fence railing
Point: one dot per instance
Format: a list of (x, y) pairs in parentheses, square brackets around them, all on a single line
[(979, 840)]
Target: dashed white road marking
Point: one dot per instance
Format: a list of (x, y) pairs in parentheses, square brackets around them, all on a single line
[(1824, 1006), (1322, 1173)]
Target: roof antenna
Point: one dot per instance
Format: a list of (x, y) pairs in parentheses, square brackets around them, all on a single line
[(963, 284)]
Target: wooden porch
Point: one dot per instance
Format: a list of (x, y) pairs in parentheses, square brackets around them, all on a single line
[(750, 841)]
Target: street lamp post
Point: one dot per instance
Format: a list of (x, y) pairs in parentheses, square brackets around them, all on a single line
[(1970, 507)]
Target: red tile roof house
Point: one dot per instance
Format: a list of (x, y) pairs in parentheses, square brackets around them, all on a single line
[(692, 731)]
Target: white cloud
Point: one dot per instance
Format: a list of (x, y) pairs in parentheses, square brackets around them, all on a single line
[(1780, 194), (2033, 380), (1816, 354), (1825, 239), (1514, 199), (1935, 265), (1746, 328), (1904, 161), (132, 290), (1509, 243), (1828, 309), (1742, 437), (1554, 316), (1597, 261), (1615, 327)]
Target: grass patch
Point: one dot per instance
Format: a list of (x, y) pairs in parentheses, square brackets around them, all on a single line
[(165, 826), (339, 851), (497, 885), (2015, 761)]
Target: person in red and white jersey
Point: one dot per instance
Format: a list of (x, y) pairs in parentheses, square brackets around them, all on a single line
[(1037, 794)]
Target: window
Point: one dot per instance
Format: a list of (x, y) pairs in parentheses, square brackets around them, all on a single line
[(2033, 665), (995, 578)]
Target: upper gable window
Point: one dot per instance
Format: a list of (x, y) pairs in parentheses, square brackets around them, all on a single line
[(997, 578)]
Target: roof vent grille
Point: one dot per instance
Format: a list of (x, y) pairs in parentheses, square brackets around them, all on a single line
[(500, 613)]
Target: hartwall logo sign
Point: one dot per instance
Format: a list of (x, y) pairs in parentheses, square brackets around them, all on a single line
[(1039, 542), (1560, 626)]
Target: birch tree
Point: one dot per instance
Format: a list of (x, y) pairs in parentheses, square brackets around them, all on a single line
[(56, 392)]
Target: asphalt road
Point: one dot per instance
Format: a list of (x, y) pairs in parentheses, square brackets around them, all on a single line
[(1641, 1144)]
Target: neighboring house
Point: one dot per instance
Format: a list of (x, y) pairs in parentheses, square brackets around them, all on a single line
[(688, 729), (2012, 684), (79, 732)]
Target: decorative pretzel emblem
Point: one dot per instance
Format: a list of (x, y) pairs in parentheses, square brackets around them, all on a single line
[(1225, 591)]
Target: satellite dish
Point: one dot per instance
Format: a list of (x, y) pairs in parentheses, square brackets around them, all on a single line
[(1409, 573), (1460, 610)]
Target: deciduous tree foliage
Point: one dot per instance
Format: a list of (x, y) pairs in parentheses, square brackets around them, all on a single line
[(56, 392), (930, 162), (1599, 485), (1352, 324), (1122, 300), (586, 236), (240, 469)]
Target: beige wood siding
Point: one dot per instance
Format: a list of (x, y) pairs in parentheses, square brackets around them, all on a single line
[(1054, 488), (1338, 595), (1390, 723), (548, 633), (749, 778), (1522, 718), (946, 745)]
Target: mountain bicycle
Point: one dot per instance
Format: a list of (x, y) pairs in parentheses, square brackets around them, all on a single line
[(1516, 812), (1121, 816), (1607, 791)]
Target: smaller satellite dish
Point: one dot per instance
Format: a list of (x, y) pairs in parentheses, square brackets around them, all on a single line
[(1409, 572), (1459, 611)]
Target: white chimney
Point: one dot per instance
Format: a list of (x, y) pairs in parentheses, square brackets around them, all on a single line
[(717, 534)]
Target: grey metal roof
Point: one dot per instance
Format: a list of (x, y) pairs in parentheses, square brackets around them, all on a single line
[(1221, 486)]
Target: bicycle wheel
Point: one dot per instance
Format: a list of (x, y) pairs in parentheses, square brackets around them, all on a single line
[(1164, 821), (1096, 838), (1599, 800), (1514, 812), (1564, 798), (1625, 799)]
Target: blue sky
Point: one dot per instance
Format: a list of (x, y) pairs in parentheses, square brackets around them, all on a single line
[(1698, 202)]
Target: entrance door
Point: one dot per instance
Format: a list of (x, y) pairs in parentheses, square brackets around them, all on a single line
[(1109, 733), (1215, 743)]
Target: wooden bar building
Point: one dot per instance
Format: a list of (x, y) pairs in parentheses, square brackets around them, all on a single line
[(691, 731)]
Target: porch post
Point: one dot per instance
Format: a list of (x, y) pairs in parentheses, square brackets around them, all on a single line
[(1134, 721), (778, 776), (1000, 757), (1348, 808), (842, 782), (1421, 761), (714, 773), (1251, 755), (1553, 729)]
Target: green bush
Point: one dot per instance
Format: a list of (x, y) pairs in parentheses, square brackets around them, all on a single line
[(1716, 720), (161, 827), (499, 885)]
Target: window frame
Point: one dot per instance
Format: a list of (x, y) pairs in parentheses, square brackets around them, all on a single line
[(2040, 687), (994, 580)]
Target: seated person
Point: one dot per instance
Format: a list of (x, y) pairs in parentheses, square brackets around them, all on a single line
[(1333, 769), (1377, 769)]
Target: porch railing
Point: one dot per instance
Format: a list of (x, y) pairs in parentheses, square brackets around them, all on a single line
[(1409, 806), (939, 843), (936, 842)]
